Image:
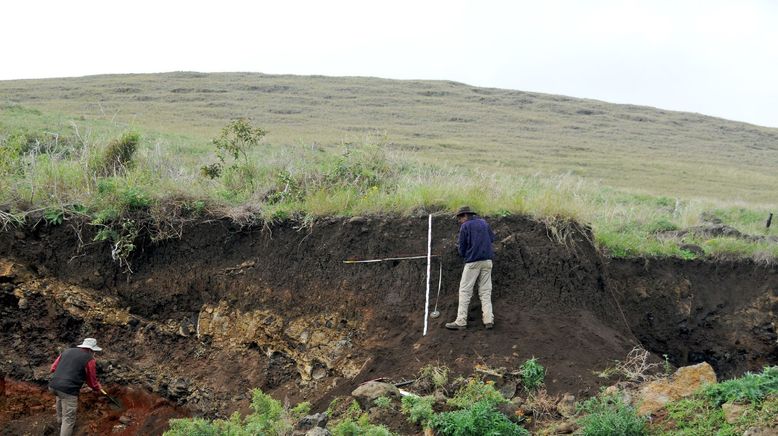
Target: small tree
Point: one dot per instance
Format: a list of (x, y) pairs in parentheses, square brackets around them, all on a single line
[(236, 138)]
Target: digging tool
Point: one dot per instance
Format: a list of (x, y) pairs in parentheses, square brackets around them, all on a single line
[(113, 400), (435, 313)]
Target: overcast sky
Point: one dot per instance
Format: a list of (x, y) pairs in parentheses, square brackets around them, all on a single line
[(714, 57)]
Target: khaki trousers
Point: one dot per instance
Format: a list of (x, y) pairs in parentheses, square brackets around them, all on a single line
[(66, 412), (480, 271)]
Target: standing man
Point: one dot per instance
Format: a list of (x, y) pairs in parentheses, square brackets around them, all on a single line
[(475, 247), (71, 369)]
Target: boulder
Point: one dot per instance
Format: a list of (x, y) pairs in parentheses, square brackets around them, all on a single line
[(366, 393), (566, 427), (683, 383), (733, 412), (311, 421), (318, 431)]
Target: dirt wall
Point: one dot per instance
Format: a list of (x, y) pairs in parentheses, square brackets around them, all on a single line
[(224, 308)]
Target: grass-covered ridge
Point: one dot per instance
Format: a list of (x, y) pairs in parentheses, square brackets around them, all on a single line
[(110, 171), (493, 130)]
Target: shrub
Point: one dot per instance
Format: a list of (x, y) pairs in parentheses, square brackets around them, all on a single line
[(480, 419), (608, 415), (118, 154), (301, 409), (418, 409), (474, 391), (268, 418), (436, 375), (192, 427), (359, 427), (234, 143), (751, 387), (532, 374), (382, 402)]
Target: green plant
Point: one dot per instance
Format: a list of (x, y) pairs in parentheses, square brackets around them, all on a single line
[(532, 374), (696, 416), (54, 216), (360, 426), (418, 409), (119, 153), (267, 418), (476, 390), (301, 409), (382, 402), (608, 415), (479, 419), (437, 375), (751, 387), (234, 143), (668, 369)]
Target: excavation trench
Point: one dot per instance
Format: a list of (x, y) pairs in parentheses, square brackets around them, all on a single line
[(224, 308)]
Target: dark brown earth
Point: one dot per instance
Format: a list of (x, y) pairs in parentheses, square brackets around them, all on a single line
[(205, 317)]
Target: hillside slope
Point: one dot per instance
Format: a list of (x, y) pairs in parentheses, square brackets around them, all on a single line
[(514, 132)]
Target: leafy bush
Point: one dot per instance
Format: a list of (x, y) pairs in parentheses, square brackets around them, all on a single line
[(751, 387), (234, 143), (359, 427), (608, 415), (382, 402), (268, 418), (54, 216), (480, 419), (532, 374), (418, 409), (474, 391)]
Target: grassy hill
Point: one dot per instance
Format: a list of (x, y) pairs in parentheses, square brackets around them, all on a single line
[(349, 146), (511, 132)]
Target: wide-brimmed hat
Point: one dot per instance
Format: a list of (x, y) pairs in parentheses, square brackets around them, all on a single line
[(90, 343), (465, 210)]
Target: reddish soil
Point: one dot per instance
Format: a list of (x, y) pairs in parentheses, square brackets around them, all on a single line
[(28, 408), (555, 299)]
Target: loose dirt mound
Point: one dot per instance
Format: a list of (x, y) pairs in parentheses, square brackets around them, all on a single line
[(206, 317)]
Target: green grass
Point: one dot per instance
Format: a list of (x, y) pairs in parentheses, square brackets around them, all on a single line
[(355, 146), (608, 415)]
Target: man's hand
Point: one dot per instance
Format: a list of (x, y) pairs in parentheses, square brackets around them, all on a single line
[(86, 390)]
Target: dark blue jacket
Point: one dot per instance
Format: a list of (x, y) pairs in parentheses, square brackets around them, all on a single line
[(475, 240)]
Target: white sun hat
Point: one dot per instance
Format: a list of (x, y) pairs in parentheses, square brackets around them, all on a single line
[(90, 343)]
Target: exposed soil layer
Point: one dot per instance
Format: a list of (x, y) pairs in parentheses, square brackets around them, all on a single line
[(204, 318)]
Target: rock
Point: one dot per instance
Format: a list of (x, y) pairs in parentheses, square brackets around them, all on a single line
[(318, 373), (366, 393), (732, 412), (23, 304), (508, 390), (509, 410), (566, 406), (611, 390), (566, 427), (179, 389), (124, 419), (311, 421), (683, 383), (318, 431)]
